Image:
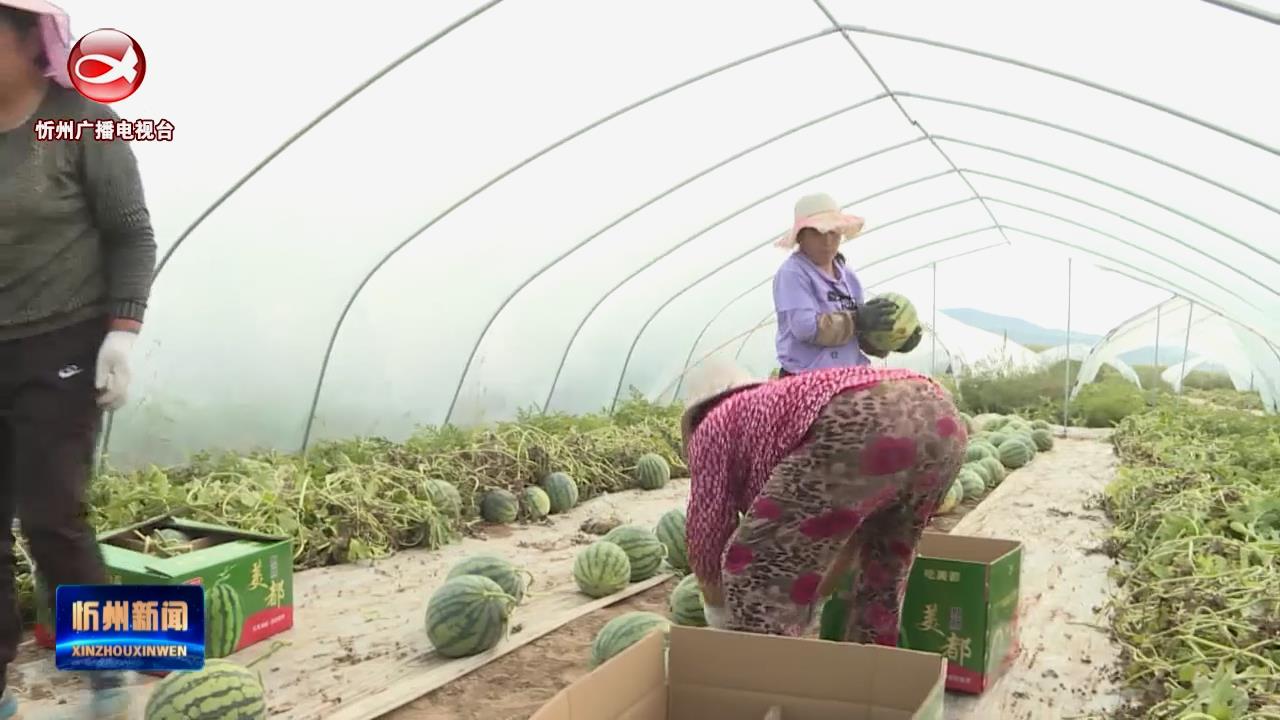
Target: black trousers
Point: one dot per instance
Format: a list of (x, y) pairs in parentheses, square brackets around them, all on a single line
[(49, 424)]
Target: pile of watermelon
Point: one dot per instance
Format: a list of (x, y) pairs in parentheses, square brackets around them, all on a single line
[(471, 612), (998, 445), (602, 568), (554, 494)]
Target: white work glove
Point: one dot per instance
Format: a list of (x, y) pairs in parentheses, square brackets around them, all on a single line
[(112, 375), (717, 617)]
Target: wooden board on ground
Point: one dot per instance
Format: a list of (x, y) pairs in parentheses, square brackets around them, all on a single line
[(1063, 668), (359, 649)]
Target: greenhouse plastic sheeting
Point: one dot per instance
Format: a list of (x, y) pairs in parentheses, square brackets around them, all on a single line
[(1250, 360), (1078, 352), (480, 207)]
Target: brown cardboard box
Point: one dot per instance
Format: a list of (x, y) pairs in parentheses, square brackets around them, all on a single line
[(728, 675)]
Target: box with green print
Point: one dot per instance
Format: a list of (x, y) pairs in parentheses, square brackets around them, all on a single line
[(962, 602), (248, 576)]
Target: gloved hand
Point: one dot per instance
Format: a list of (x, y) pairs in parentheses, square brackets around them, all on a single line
[(112, 375), (876, 314), (912, 341), (717, 617)]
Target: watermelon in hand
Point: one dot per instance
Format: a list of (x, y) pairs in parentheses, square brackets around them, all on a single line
[(905, 323)]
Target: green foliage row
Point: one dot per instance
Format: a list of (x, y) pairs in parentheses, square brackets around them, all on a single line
[(1196, 506)]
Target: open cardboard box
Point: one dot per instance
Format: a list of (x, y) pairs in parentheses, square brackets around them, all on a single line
[(730, 675)]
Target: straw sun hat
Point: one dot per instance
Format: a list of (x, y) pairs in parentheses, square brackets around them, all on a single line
[(822, 213)]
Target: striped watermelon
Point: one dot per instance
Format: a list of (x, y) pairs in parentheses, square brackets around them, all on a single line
[(602, 568), (223, 620), (1040, 425), (503, 572), (536, 503), (995, 471), (467, 616), (670, 532), (444, 496), (905, 322), (1043, 439), (624, 631), (652, 472), (562, 490), (499, 506), (1016, 452), (642, 547), (686, 603), (977, 450), (949, 501), (222, 690), (971, 482)]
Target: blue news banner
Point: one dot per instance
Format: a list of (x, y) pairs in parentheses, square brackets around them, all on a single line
[(129, 627)]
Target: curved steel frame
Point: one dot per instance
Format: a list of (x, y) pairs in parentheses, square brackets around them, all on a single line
[(1067, 196), (1133, 273), (725, 307), (843, 29), (475, 348), (1037, 121)]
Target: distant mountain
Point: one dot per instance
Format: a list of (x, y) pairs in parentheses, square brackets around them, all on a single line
[(1029, 333)]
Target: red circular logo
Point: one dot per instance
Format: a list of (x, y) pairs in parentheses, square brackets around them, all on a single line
[(106, 65)]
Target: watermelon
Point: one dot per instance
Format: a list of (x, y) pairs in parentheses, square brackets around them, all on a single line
[(1020, 437), (971, 482), (624, 631), (995, 471), (652, 472), (997, 439), (969, 426), (686, 603), (949, 501), (511, 579), (537, 504), (642, 547), (977, 450), (1043, 439), (221, 690), (499, 506), (983, 472), (990, 422), (444, 496), (601, 568), (223, 620), (671, 533), (905, 322), (1040, 425), (467, 616), (562, 490), (1015, 453)]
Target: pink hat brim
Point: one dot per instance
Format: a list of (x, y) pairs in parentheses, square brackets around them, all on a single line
[(55, 35), (850, 226)]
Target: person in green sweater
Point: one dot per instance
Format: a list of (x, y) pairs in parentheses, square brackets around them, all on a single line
[(77, 256)]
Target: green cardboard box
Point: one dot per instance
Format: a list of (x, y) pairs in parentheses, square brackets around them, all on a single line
[(259, 567), (962, 602)]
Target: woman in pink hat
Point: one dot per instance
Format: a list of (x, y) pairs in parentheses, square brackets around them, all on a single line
[(77, 256), (835, 465), (818, 299)]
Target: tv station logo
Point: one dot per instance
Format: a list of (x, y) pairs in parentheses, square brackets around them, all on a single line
[(129, 627), (106, 66)]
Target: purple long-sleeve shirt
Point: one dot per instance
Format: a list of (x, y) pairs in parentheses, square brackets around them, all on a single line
[(801, 292)]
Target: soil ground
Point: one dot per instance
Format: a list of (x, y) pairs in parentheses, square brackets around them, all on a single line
[(1044, 500)]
